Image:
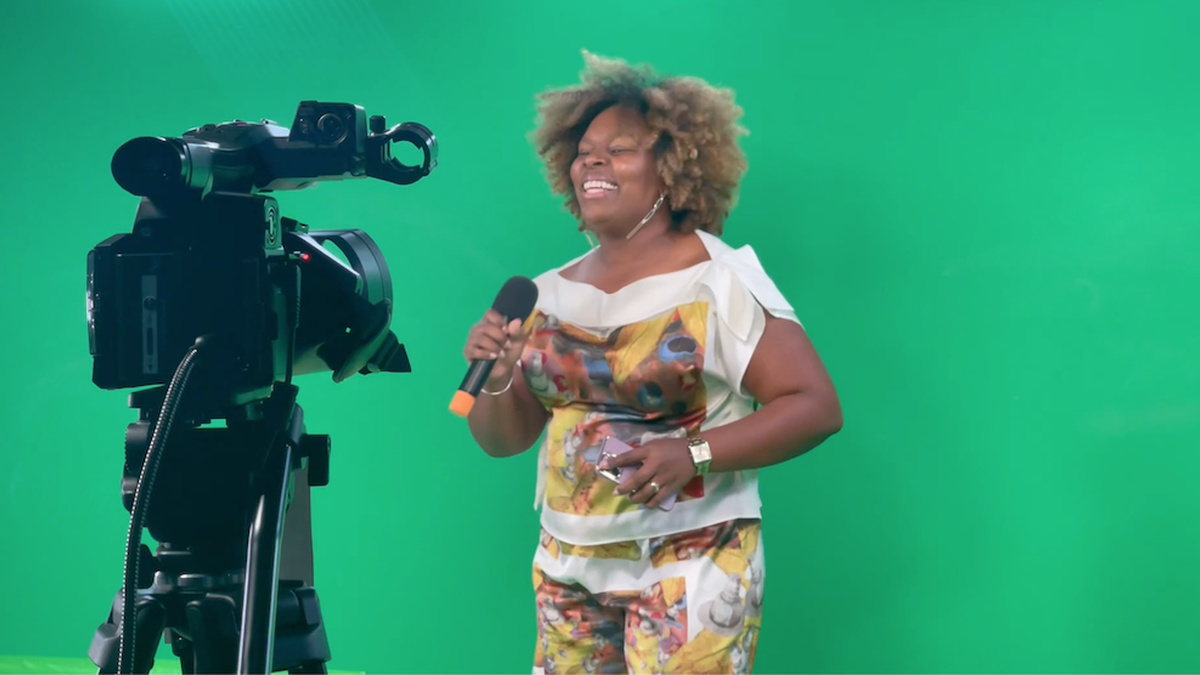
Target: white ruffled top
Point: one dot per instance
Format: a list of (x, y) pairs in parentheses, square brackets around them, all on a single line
[(734, 289)]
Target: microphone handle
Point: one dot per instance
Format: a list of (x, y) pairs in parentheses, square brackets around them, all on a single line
[(476, 376)]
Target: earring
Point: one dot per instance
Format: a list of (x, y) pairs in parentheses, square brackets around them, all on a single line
[(653, 210), (587, 234)]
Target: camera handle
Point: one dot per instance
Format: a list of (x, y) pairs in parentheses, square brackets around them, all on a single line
[(381, 164)]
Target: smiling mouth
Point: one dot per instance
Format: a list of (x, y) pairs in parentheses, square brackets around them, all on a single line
[(598, 188)]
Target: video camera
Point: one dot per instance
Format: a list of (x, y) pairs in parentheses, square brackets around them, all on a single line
[(216, 301), (210, 254)]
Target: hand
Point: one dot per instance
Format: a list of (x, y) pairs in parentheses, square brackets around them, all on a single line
[(492, 340), (665, 462)]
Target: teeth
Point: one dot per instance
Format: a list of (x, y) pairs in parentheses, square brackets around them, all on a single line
[(598, 185)]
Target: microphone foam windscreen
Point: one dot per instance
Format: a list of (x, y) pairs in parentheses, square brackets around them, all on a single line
[(516, 298)]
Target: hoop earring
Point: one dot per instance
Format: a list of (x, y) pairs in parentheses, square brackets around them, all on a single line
[(653, 210)]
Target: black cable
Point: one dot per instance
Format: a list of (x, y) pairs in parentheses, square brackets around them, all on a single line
[(141, 498)]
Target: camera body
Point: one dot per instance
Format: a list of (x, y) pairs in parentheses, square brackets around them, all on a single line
[(211, 256), (218, 268)]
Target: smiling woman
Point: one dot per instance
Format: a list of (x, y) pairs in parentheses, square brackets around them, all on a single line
[(684, 129), (644, 361), (620, 136)]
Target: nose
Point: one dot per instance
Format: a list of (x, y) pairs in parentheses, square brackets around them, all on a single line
[(594, 159)]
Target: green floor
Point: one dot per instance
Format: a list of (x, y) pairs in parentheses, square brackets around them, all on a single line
[(28, 665), (36, 664)]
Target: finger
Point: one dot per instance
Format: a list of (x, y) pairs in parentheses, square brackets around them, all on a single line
[(492, 317), (514, 327), (666, 491), (666, 488), (484, 349), (487, 337), (481, 354), (646, 491), (634, 483), (518, 334), (492, 331), (487, 341), (634, 456), (487, 345), (655, 498)]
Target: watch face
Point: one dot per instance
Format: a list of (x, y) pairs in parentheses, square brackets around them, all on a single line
[(701, 454)]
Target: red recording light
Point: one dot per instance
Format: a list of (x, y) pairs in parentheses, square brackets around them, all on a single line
[(305, 257)]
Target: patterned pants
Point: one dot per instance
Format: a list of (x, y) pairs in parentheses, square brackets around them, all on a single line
[(686, 603)]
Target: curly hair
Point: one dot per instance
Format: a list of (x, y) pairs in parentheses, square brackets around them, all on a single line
[(697, 127)]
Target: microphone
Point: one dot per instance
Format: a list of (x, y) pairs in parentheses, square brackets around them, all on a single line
[(514, 301)]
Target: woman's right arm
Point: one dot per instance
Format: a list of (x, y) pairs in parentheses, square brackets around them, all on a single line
[(509, 423)]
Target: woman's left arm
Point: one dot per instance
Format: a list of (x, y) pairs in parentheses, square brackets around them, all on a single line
[(800, 410), (800, 407)]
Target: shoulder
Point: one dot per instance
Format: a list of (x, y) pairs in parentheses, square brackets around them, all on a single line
[(740, 260), (739, 282)]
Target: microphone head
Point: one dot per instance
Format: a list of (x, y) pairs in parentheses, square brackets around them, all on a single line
[(516, 298)]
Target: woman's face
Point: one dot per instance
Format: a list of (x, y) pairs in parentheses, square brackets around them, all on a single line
[(615, 178)]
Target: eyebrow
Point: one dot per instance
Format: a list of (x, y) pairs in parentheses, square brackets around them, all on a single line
[(620, 136)]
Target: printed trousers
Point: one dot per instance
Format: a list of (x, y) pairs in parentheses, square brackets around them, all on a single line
[(684, 603)]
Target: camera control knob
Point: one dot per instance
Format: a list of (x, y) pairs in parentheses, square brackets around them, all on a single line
[(330, 128)]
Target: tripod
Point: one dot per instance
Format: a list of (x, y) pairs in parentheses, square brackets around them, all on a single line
[(217, 510)]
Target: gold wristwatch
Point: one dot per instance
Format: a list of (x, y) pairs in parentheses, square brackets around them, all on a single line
[(701, 454)]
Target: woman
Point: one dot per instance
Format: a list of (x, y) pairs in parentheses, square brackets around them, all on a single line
[(666, 339)]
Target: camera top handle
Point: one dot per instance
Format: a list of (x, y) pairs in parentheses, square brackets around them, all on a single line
[(381, 164)]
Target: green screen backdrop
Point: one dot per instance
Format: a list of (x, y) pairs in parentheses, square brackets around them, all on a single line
[(985, 212)]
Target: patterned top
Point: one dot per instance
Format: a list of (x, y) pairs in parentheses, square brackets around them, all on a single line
[(656, 358)]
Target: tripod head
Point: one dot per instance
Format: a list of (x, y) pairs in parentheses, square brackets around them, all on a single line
[(211, 255)]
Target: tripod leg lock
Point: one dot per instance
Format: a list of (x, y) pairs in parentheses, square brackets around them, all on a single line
[(317, 449)]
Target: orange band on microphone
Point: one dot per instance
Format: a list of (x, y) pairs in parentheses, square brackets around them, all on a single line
[(462, 403)]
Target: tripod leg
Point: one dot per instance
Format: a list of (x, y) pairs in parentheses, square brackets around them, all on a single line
[(212, 621), (256, 649), (184, 650), (150, 616), (301, 645)]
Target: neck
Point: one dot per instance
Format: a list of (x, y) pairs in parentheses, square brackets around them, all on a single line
[(643, 245)]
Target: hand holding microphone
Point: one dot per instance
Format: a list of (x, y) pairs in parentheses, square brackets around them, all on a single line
[(495, 343), (492, 340)]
